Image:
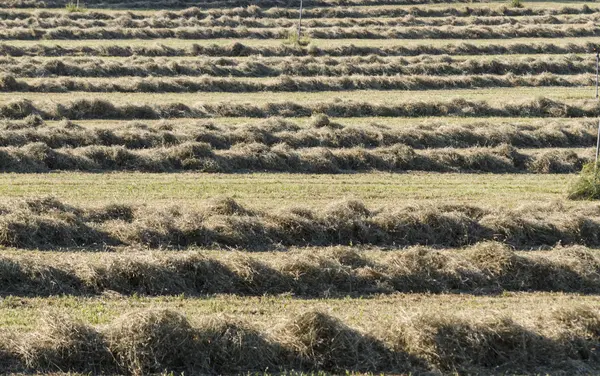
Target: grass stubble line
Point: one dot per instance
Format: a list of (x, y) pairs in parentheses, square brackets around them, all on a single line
[(223, 223), (267, 190)]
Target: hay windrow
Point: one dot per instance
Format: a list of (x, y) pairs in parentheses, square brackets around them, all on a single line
[(256, 11), (423, 66), (226, 223), (488, 268), (320, 132), (290, 84), (199, 156), (375, 32), (239, 49), (161, 340), (103, 109)]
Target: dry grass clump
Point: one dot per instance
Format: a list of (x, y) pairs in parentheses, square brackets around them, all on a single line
[(29, 277), (423, 270), (325, 343), (320, 120), (230, 347), (458, 345), (225, 206), (65, 344), (47, 223), (581, 332), (587, 184), (152, 341)]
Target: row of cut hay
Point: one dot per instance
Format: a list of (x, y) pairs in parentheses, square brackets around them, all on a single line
[(426, 32), (208, 4), (199, 156), (255, 12), (153, 341), (322, 132), (299, 66), (240, 49), (48, 223), (160, 22), (9, 83), (103, 109), (488, 268)]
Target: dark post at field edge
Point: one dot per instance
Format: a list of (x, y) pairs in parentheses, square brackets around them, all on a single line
[(598, 139), (300, 25)]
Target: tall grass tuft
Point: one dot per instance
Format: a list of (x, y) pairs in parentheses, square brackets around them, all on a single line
[(74, 7), (587, 185), (294, 39), (516, 3)]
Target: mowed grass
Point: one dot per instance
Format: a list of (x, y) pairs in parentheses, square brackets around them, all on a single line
[(532, 312), (23, 313), (394, 122), (495, 96), (264, 190), (187, 43)]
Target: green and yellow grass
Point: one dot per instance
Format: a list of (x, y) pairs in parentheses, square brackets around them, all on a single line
[(367, 272)]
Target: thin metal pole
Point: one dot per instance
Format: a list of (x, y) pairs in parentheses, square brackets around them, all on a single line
[(597, 62), (597, 146), (300, 23), (598, 139)]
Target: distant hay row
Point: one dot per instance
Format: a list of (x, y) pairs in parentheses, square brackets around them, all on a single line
[(294, 66), (321, 132), (240, 49), (155, 340), (199, 156), (278, 13), (375, 32), (161, 22), (208, 4), (49, 224), (332, 272), (104, 109), (9, 83)]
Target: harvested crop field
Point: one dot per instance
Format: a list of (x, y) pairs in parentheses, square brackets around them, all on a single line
[(188, 188)]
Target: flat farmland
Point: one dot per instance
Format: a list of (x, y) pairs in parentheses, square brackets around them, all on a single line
[(187, 188)]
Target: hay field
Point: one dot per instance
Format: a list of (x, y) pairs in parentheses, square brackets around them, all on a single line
[(185, 190)]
